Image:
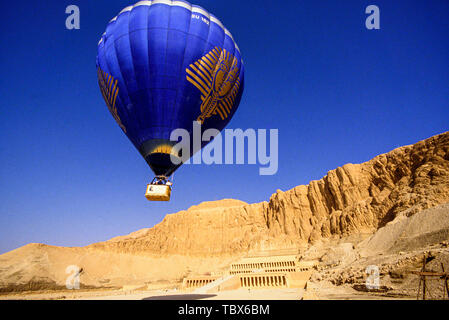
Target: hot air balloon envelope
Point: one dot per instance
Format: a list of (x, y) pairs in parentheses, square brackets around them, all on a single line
[(162, 65)]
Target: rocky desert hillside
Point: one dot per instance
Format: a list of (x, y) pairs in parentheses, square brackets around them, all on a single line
[(352, 199), (355, 200)]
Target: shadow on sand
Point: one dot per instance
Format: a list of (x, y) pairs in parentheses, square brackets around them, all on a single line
[(181, 297)]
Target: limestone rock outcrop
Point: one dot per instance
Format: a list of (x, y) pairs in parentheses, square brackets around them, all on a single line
[(351, 200), (354, 198), (211, 228)]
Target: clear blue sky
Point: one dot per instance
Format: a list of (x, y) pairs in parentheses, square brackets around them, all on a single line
[(336, 91)]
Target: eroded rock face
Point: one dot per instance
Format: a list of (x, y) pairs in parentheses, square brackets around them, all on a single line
[(348, 201), (354, 198), (201, 230)]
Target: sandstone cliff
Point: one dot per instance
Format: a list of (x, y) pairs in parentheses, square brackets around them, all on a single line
[(355, 198)]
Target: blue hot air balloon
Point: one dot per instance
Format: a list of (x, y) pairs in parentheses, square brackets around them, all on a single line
[(162, 65)]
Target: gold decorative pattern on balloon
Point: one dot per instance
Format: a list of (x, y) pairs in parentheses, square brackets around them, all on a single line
[(109, 90), (216, 75)]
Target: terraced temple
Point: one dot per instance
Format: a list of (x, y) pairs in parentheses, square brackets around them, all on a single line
[(260, 271)]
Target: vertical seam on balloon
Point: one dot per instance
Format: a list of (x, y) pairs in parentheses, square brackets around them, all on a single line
[(236, 81), (165, 113), (124, 108), (204, 50), (150, 90), (241, 85), (183, 58), (229, 72), (124, 112), (139, 120)]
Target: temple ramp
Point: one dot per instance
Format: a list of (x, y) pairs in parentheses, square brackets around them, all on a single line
[(214, 285)]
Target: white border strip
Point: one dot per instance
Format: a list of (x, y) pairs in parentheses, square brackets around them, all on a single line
[(179, 4), (201, 11)]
